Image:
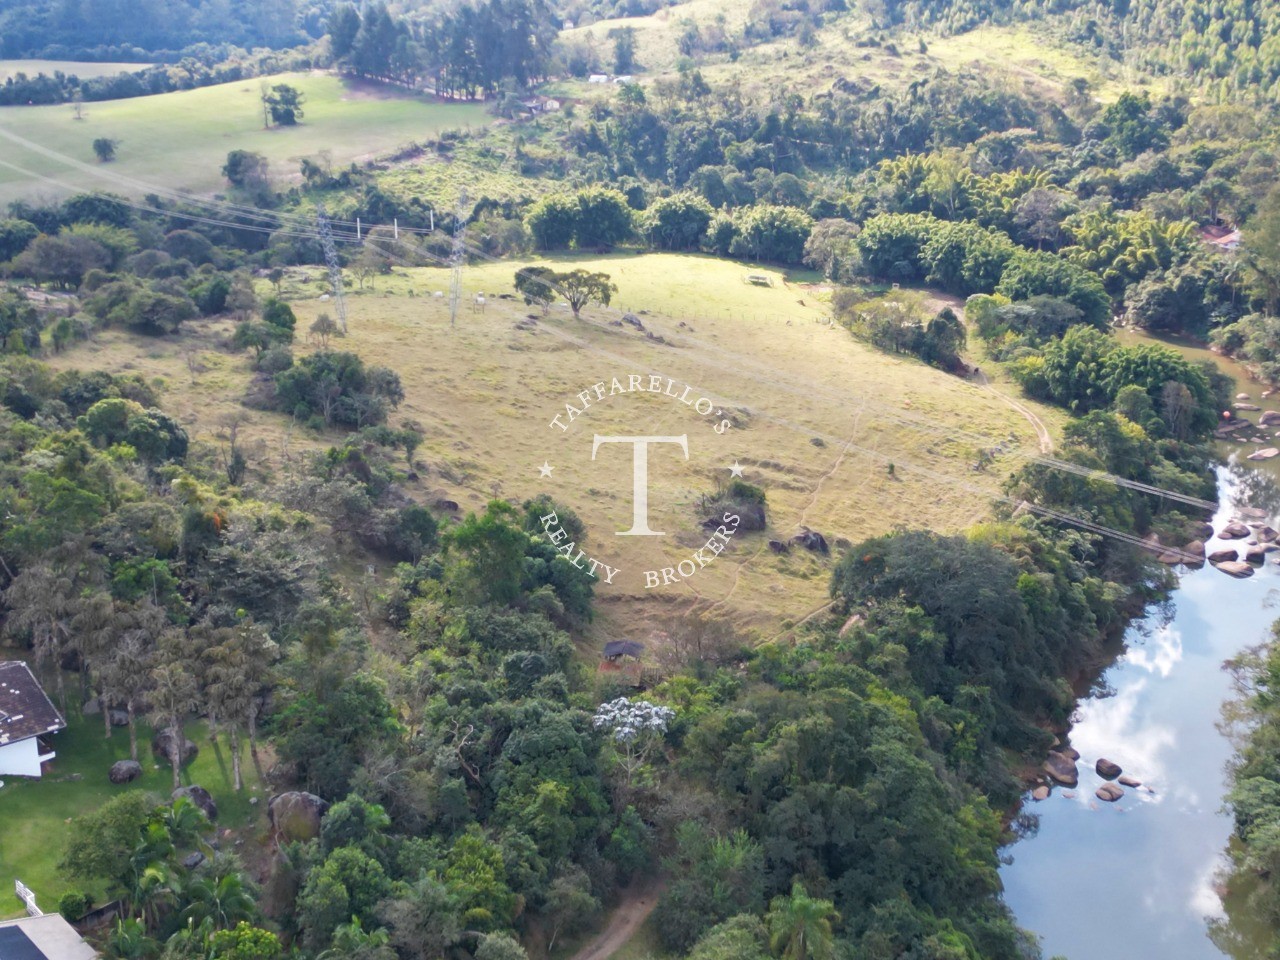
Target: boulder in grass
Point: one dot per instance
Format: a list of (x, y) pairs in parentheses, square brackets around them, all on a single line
[(124, 771), (160, 747), (811, 540), (200, 797)]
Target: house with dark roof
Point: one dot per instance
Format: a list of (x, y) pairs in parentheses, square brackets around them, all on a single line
[(27, 718), (44, 937)]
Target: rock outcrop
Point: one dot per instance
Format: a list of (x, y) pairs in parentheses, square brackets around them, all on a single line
[(296, 815), (1062, 769)]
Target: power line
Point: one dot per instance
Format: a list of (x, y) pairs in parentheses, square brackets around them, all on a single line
[(302, 228), (331, 260)]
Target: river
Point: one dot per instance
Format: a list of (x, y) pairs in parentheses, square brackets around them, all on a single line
[(1139, 877)]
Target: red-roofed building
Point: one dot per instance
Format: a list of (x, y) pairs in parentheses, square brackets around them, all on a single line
[(1223, 238)]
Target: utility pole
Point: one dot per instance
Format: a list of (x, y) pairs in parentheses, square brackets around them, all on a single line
[(456, 257), (335, 267)]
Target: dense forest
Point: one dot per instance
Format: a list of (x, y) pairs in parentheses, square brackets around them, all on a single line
[(142, 30)]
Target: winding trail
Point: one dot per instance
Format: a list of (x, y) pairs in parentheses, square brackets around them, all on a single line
[(1042, 432), (938, 300), (626, 919)]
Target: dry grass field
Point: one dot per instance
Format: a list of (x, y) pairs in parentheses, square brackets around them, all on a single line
[(818, 419)]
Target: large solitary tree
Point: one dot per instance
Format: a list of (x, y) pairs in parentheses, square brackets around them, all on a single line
[(581, 288)]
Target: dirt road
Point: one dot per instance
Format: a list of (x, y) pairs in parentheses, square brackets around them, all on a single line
[(637, 903)]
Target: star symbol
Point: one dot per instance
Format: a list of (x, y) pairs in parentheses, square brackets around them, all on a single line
[(545, 469), (736, 469)]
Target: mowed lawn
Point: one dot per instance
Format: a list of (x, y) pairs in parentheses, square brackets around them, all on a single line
[(73, 68), (35, 813), (818, 417), (181, 140)]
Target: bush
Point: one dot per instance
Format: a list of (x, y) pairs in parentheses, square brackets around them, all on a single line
[(73, 905)]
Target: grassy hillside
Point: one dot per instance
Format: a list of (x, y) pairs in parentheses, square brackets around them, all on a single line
[(485, 392), (180, 140)]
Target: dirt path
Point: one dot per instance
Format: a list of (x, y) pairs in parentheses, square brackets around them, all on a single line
[(939, 300), (637, 903), (1046, 439)]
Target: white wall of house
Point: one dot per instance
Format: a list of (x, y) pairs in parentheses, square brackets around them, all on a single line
[(23, 758)]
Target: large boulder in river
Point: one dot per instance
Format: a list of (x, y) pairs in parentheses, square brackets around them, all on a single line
[(296, 815), (1223, 555), (1107, 769), (160, 745), (1110, 792), (1128, 781), (1195, 547), (1235, 530), (1062, 769), (200, 797), (1041, 792), (1267, 534), (1236, 568), (124, 771), (1255, 554)]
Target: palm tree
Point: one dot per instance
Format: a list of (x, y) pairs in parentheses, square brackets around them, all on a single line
[(128, 940), (222, 900), (352, 942), (125, 674), (42, 602), (800, 926), (185, 825), (96, 627), (236, 670), (173, 690), (153, 892)]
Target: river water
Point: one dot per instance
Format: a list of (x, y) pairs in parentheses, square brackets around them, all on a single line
[(1139, 877)]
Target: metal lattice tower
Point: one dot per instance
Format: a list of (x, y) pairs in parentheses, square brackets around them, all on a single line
[(335, 267), (456, 258)]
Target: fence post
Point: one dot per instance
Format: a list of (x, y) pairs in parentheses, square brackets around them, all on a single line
[(28, 897)]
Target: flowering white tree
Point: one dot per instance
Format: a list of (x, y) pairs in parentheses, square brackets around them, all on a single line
[(637, 726)]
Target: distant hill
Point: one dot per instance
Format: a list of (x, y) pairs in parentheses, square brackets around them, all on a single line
[(151, 29), (1233, 45)]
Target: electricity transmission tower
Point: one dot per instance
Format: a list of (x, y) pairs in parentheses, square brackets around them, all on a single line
[(456, 258), (335, 268)]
